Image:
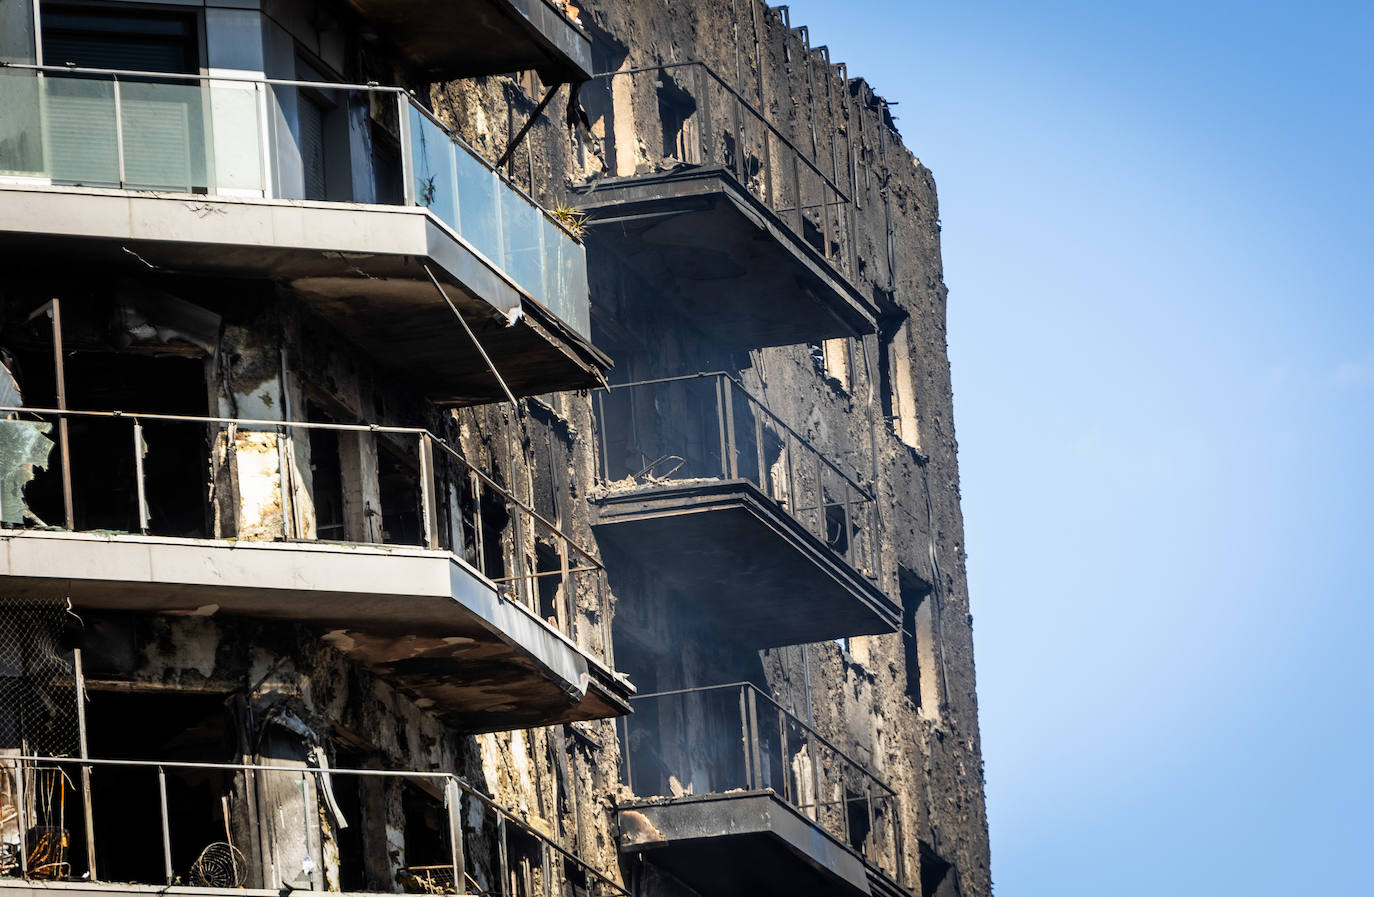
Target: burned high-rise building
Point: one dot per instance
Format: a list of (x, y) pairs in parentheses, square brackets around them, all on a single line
[(482, 447)]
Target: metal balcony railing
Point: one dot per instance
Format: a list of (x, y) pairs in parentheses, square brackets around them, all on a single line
[(138, 482), (697, 119), (276, 139), (720, 738), (709, 427), (228, 825)]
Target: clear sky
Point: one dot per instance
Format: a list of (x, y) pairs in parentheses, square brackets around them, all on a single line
[(1158, 240)]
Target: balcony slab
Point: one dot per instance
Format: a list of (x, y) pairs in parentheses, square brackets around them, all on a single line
[(735, 270), (421, 618), (359, 266), (748, 568), (740, 844), (448, 39)]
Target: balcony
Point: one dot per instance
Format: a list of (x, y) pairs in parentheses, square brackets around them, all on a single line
[(350, 196), (767, 537), (261, 830), (411, 561), (735, 796), (448, 40), (751, 238)]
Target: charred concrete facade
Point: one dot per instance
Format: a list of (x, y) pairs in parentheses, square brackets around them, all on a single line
[(496, 447)]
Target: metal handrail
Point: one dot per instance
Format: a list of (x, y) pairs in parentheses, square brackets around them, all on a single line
[(458, 782), (370, 87), (757, 402), (792, 716), (265, 424), (832, 813), (844, 197)]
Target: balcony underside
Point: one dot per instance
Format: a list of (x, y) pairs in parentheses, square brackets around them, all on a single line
[(751, 571), (449, 39), (734, 269), (359, 266), (419, 618), (740, 844)]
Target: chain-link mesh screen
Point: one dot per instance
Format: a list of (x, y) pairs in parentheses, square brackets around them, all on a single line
[(38, 711)]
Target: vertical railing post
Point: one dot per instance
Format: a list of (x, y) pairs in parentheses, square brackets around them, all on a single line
[(139, 486), (757, 411), (788, 441), (429, 507), (119, 130), (740, 168), (407, 149), (166, 824), (21, 806), (759, 783), (822, 530), (744, 738), (825, 212), (785, 769), (720, 427), (79, 674), (504, 854), (728, 402), (478, 531), (707, 145), (453, 797), (796, 180), (63, 436), (849, 553), (869, 833), (548, 869)]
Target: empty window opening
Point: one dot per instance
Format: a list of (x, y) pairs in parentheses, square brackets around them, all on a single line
[(363, 861), (676, 108), (837, 524), (918, 642), (399, 478), (126, 806), (938, 876), (326, 477), (900, 394), (427, 855), (857, 823), (549, 584), (104, 472)]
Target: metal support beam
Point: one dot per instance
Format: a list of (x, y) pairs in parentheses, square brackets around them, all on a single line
[(525, 128)]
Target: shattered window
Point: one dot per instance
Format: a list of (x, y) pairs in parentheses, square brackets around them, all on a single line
[(24, 445)]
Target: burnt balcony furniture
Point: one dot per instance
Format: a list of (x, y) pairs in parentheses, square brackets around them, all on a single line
[(751, 238), (456, 591), (450, 39), (348, 195), (764, 535), (155, 826), (736, 796)]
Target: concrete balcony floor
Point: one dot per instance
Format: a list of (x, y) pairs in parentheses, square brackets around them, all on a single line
[(360, 266), (421, 618)]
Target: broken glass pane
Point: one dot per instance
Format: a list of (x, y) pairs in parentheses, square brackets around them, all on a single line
[(24, 445)]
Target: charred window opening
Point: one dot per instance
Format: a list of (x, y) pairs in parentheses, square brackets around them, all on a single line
[(548, 584), (399, 479), (170, 727), (938, 876), (857, 808), (362, 857), (837, 524), (676, 108), (426, 826), (918, 643), (103, 466), (326, 477), (525, 863)]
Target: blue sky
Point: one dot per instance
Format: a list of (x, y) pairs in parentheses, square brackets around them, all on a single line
[(1158, 240)]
